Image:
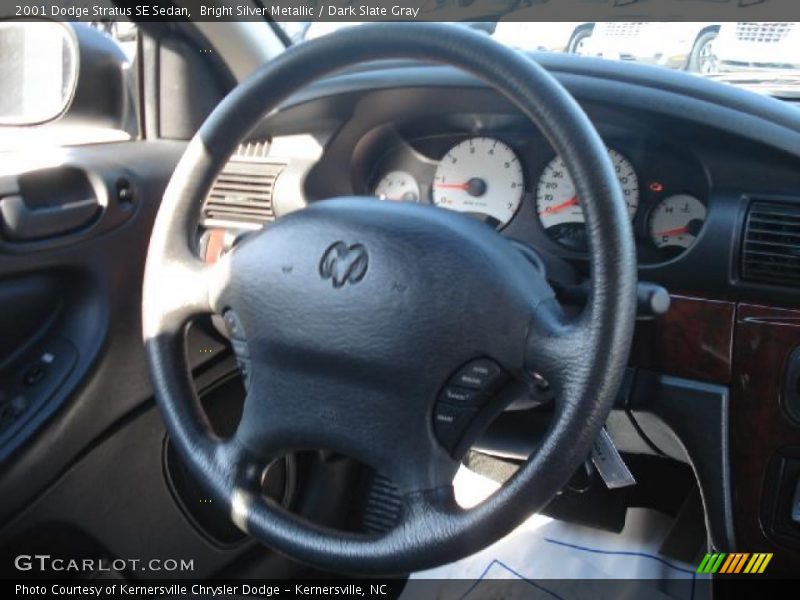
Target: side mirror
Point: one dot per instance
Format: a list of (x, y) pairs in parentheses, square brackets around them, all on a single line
[(39, 71), (67, 71)]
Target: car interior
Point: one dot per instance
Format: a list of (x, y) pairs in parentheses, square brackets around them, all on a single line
[(271, 302)]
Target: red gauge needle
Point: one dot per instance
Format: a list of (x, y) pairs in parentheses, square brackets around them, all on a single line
[(673, 232), (452, 186), (550, 210)]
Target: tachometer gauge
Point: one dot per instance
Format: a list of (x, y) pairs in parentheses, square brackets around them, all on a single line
[(482, 176), (676, 221), (559, 207), (399, 186)]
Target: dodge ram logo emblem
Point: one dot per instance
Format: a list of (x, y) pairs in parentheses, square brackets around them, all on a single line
[(344, 264)]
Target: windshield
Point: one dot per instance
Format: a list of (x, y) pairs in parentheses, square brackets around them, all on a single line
[(761, 56)]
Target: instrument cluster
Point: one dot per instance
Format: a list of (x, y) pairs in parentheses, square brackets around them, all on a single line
[(517, 182)]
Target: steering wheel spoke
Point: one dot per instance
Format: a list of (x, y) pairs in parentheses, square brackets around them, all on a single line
[(250, 452), (184, 289), (557, 343), (401, 448)]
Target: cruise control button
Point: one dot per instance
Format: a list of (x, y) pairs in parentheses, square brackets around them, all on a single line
[(234, 326), (459, 396), (240, 348), (244, 370), (482, 374), (450, 422)]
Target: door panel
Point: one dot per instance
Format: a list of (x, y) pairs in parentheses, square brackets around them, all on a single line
[(71, 359)]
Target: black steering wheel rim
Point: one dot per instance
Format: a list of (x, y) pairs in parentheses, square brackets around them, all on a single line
[(585, 356)]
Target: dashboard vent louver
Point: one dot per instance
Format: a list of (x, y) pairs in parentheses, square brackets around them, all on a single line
[(771, 249), (242, 193)]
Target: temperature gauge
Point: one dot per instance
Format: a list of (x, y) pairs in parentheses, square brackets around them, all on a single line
[(676, 221)]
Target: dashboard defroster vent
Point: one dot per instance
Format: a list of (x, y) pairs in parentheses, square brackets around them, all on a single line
[(771, 248), (241, 197)]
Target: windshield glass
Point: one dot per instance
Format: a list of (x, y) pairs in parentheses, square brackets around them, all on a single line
[(761, 56)]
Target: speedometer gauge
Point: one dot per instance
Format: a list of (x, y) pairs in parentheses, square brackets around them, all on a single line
[(559, 207), (482, 176)]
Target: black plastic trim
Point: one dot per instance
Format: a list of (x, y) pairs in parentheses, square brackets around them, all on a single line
[(688, 420)]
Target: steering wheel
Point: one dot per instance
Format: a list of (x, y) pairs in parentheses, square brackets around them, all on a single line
[(352, 315)]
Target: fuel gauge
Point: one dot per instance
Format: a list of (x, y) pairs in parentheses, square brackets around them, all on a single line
[(676, 221)]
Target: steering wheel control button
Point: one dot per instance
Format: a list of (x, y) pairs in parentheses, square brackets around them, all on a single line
[(240, 348), (244, 370), (473, 384), (482, 374), (450, 422), (243, 362), (233, 325), (459, 396), (239, 344)]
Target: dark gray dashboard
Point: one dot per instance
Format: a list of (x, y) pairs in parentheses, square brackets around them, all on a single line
[(682, 134)]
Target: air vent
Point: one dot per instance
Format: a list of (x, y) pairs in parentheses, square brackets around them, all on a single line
[(242, 194), (771, 251)]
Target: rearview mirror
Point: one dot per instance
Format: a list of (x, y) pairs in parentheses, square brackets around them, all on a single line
[(38, 68)]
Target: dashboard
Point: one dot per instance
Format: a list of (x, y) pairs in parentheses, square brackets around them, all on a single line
[(510, 178), (692, 157)]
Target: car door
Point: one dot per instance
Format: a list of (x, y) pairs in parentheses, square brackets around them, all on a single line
[(85, 467)]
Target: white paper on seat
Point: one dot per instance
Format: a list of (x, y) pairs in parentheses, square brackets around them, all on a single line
[(548, 554)]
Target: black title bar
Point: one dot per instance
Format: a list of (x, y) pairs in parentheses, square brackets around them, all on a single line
[(404, 10)]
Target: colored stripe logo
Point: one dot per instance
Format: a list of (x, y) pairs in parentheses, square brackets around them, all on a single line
[(733, 564)]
